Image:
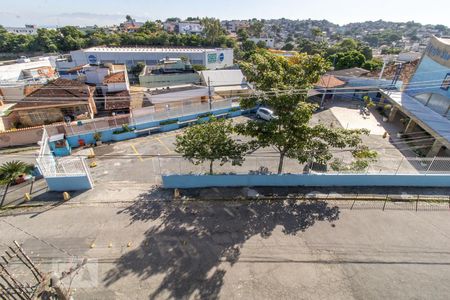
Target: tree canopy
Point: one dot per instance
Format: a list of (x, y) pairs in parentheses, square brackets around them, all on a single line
[(273, 72), (291, 135), (210, 142), (69, 38)]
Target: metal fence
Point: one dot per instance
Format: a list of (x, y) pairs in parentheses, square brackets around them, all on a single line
[(51, 166), (179, 111), (142, 116), (269, 165), (94, 125)]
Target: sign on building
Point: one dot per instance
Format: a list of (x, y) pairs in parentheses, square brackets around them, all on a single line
[(212, 58)]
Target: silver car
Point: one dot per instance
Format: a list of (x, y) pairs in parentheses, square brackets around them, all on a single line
[(265, 114)]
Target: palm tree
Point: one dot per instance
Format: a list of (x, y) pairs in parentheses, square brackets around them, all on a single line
[(9, 172)]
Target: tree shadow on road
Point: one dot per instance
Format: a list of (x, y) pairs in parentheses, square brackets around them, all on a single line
[(189, 241)]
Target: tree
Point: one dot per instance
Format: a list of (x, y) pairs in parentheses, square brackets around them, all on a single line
[(261, 44), (210, 142), (10, 171), (212, 29), (128, 18), (256, 28), (311, 47), (149, 27), (288, 47), (242, 34), (137, 69), (349, 59), (373, 65), (199, 68), (291, 135), (273, 72)]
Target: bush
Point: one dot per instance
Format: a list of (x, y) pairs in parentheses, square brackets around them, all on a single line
[(125, 128), (97, 136), (205, 115), (168, 122), (235, 109)]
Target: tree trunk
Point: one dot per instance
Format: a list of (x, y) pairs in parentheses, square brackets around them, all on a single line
[(280, 164), (211, 167), (4, 194)]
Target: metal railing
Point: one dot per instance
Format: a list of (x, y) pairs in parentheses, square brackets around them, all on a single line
[(269, 165), (180, 111), (145, 116), (51, 166)]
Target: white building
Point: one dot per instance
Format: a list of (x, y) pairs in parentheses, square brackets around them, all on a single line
[(190, 28), (27, 30), (270, 42), (23, 70), (212, 59)]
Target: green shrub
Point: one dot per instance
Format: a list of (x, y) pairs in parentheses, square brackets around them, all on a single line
[(125, 128), (235, 109), (168, 122), (205, 115)]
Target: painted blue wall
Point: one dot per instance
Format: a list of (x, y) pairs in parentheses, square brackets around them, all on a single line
[(68, 183), (432, 74), (202, 181)]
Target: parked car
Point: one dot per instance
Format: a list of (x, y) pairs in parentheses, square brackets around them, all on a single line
[(265, 114)]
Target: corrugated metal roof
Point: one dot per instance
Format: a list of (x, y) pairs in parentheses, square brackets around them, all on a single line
[(437, 123), (223, 77)]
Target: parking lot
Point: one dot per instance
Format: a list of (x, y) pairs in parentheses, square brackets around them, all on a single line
[(144, 159)]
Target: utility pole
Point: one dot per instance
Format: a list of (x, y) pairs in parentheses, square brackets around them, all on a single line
[(209, 94)]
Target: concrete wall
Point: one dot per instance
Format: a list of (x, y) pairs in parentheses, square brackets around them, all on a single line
[(69, 183), (21, 137), (204, 181)]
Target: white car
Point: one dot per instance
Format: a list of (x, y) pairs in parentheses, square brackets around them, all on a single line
[(265, 114)]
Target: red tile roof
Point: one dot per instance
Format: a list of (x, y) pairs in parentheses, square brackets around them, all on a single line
[(117, 100), (57, 92), (329, 81), (115, 78)]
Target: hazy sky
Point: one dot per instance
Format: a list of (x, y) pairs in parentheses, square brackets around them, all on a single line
[(105, 12)]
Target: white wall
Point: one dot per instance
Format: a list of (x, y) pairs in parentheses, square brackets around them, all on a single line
[(12, 72)]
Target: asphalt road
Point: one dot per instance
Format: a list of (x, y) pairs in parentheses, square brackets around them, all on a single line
[(141, 248)]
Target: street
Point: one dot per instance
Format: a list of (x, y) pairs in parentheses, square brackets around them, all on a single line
[(143, 245)]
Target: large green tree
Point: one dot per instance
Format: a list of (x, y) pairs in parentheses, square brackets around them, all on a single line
[(212, 29), (273, 72), (291, 134), (210, 142)]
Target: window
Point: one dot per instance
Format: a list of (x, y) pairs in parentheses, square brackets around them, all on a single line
[(446, 83)]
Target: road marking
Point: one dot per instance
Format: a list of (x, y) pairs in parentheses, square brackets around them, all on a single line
[(165, 146), (136, 152)]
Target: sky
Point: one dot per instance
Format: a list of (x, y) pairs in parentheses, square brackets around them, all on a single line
[(108, 12)]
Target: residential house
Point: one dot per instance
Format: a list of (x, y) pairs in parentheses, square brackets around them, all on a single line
[(56, 101)]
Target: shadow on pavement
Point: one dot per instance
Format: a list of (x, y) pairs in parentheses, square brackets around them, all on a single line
[(191, 241)]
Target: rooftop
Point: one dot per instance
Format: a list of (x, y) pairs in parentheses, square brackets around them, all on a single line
[(115, 78), (57, 92), (329, 81), (149, 49), (406, 74), (352, 72), (120, 100)]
